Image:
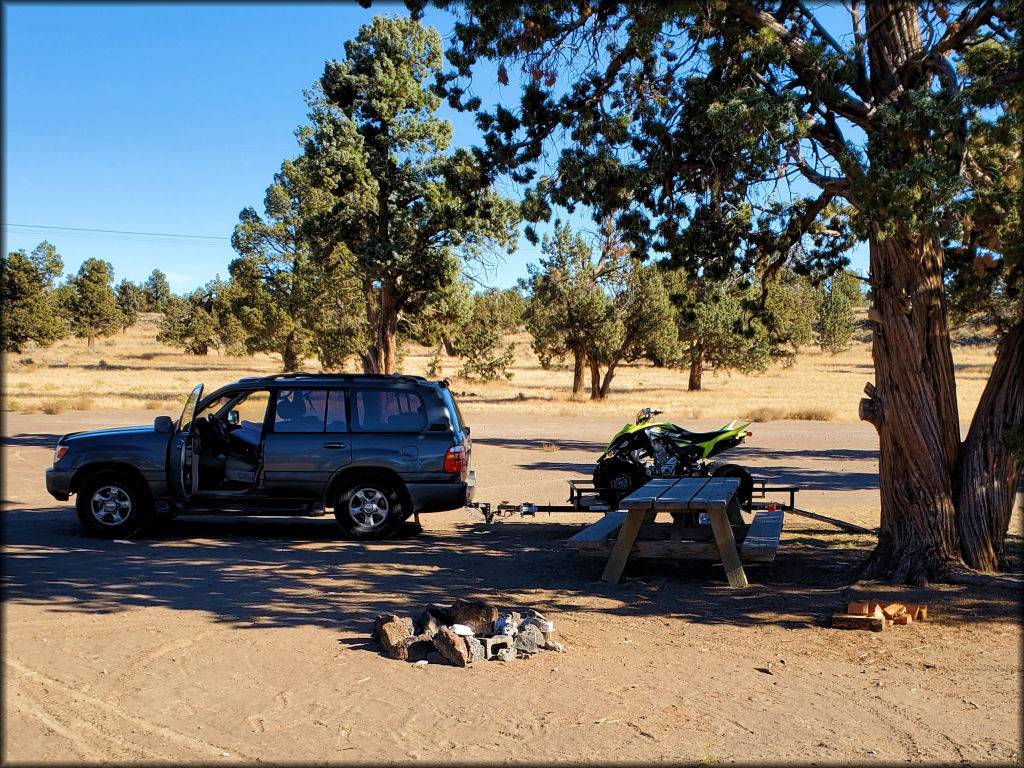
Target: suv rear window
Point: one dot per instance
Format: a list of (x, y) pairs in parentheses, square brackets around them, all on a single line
[(453, 409), (378, 410)]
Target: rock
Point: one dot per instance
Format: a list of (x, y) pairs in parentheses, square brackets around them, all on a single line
[(462, 630), (476, 649), (529, 640), (415, 648), (440, 612), (451, 646), (542, 624), (434, 657), (427, 623), (553, 645), (394, 632), (530, 613), (506, 654), (475, 614), (380, 621), (507, 624)]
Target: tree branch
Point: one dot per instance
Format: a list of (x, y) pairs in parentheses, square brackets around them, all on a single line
[(852, 109)]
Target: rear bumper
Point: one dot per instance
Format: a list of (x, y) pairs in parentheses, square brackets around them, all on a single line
[(440, 497), (58, 483)]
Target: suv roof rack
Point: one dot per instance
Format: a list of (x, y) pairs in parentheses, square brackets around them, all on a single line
[(299, 375)]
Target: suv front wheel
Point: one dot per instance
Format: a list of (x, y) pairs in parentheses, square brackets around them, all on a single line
[(113, 506), (368, 507)]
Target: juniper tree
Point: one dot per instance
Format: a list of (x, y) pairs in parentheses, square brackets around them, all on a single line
[(402, 206), (912, 119), (29, 298), (89, 302), (287, 302)]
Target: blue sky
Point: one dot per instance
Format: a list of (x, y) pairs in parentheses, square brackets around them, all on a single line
[(166, 119)]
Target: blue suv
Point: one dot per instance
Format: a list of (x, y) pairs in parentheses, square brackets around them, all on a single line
[(374, 449)]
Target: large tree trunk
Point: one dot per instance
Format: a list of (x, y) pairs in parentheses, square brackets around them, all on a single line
[(290, 353), (696, 367), (383, 315), (913, 406), (595, 378), (609, 374), (988, 473), (577, 370)]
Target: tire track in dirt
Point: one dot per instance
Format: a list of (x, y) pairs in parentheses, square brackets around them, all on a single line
[(94, 729)]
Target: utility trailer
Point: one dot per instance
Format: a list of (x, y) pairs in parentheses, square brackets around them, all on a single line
[(583, 497)]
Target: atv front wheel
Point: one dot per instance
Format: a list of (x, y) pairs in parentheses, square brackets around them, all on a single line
[(614, 479), (745, 492)]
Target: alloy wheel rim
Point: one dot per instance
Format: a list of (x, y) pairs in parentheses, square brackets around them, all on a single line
[(368, 507), (111, 505)]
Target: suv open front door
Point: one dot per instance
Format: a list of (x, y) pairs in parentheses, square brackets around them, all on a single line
[(182, 476)]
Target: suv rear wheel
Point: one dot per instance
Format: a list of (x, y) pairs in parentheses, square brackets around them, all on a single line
[(368, 507), (112, 505)]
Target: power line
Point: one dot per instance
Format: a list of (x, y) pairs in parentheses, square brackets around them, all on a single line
[(115, 232)]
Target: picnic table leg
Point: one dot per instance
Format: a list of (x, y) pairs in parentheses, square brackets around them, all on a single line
[(726, 543), (624, 544)]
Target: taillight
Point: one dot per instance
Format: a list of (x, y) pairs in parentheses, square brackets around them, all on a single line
[(58, 453), (456, 460), (750, 434)]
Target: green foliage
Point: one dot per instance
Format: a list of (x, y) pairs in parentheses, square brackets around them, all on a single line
[(90, 302), (566, 309), (836, 320), (130, 299), (288, 303), (29, 300), (156, 292), (400, 208), (202, 321), (480, 340), (600, 312)]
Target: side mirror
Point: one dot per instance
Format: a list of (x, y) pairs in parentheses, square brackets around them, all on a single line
[(163, 424), (232, 417)]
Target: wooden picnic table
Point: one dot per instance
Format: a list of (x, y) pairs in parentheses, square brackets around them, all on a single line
[(685, 498)]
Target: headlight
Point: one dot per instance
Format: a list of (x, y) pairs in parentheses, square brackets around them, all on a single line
[(58, 453)]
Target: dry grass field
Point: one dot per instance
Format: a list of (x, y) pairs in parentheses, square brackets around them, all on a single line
[(133, 370)]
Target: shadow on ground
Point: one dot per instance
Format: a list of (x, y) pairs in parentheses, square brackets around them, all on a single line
[(260, 572)]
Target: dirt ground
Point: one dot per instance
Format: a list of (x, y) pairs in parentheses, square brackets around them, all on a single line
[(247, 640)]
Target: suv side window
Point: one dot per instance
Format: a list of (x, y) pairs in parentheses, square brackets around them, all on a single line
[(300, 410), (378, 410), (252, 410), (336, 419)]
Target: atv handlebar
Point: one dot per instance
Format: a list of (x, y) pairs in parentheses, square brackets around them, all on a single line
[(646, 414)]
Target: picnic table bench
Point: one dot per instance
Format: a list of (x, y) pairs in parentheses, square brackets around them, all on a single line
[(684, 498)]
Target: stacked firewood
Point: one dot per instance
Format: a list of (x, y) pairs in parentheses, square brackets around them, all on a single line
[(876, 617)]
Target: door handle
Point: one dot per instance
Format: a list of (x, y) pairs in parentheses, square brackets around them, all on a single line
[(334, 445)]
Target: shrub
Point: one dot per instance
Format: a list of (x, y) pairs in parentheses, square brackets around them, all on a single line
[(53, 407)]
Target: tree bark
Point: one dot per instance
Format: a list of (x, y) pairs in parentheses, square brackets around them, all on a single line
[(290, 354), (595, 378), (696, 368), (609, 374), (989, 475), (913, 407), (577, 371), (383, 315)]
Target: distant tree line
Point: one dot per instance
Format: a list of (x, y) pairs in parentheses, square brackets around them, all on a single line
[(39, 309)]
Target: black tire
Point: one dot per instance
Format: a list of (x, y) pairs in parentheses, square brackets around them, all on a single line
[(369, 507), (746, 490), (112, 505), (614, 479)]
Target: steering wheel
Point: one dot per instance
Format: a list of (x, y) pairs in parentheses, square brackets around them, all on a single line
[(219, 428)]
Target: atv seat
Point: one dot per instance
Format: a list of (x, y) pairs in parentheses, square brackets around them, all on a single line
[(699, 437)]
